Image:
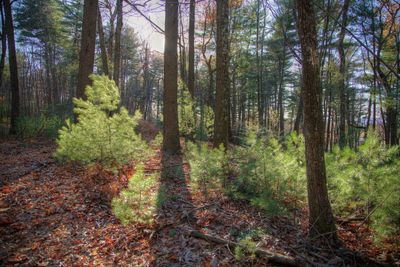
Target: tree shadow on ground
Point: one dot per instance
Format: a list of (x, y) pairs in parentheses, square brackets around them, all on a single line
[(170, 243)]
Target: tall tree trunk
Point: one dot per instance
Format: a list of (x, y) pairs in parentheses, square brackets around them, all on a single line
[(170, 108), (3, 44), (321, 221), (221, 123), (117, 51), (328, 125), (112, 13), (342, 76), (182, 50), (12, 61), (104, 57), (280, 94), (258, 60), (299, 114), (145, 82), (88, 43), (191, 47)]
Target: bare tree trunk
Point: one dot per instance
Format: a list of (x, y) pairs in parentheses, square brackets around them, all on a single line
[(328, 125), (145, 82), (280, 94), (88, 43), (191, 47), (321, 221), (48, 67), (258, 59), (221, 123), (112, 14), (117, 51), (182, 49), (3, 44), (342, 77), (299, 114), (12, 59), (170, 109), (104, 57)]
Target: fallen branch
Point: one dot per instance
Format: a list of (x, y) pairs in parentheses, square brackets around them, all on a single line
[(273, 257), (350, 219)]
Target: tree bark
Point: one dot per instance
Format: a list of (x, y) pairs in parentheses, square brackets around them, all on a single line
[(12, 61), (3, 44), (112, 14), (342, 77), (171, 144), (88, 43), (221, 123), (299, 114), (321, 220), (281, 110), (104, 57), (191, 47), (117, 51)]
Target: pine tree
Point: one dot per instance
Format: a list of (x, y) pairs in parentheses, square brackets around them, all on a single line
[(88, 42), (221, 123), (12, 57), (171, 129), (321, 221)]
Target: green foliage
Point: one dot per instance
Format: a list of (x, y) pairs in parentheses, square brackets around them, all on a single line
[(140, 200), (208, 166), (247, 248), (157, 141), (368, 179), (187, 124), (205, 128), (104, 132), (194, 120), (46, 126), (267, 173), (254, 234), (40, 21)]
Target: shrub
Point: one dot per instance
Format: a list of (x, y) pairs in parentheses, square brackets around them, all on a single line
[(208, 166), (41, 125), (140, 200), (205, 129), (194, 120), (246, 248), (187, 124), (104, 132), (268, 173), (367, 179)]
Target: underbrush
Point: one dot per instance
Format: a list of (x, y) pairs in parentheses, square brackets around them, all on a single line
[(264, 173), (268, 173), (208, 166), (272, 176), (140, 200), (104, 132), (367, 181), (195, 119), (39, 126)]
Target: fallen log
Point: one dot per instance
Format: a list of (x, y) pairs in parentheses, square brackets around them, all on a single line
[(271, 256)]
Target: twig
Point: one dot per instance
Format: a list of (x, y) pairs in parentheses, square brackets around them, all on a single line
[(374, 209), (271, 256)]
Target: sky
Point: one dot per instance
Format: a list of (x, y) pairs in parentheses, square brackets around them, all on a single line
[(145, 29)]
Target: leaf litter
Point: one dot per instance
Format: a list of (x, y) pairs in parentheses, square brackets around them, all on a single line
[(54, 214)]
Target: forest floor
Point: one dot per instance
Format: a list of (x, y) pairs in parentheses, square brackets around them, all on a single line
[(51, 214)]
